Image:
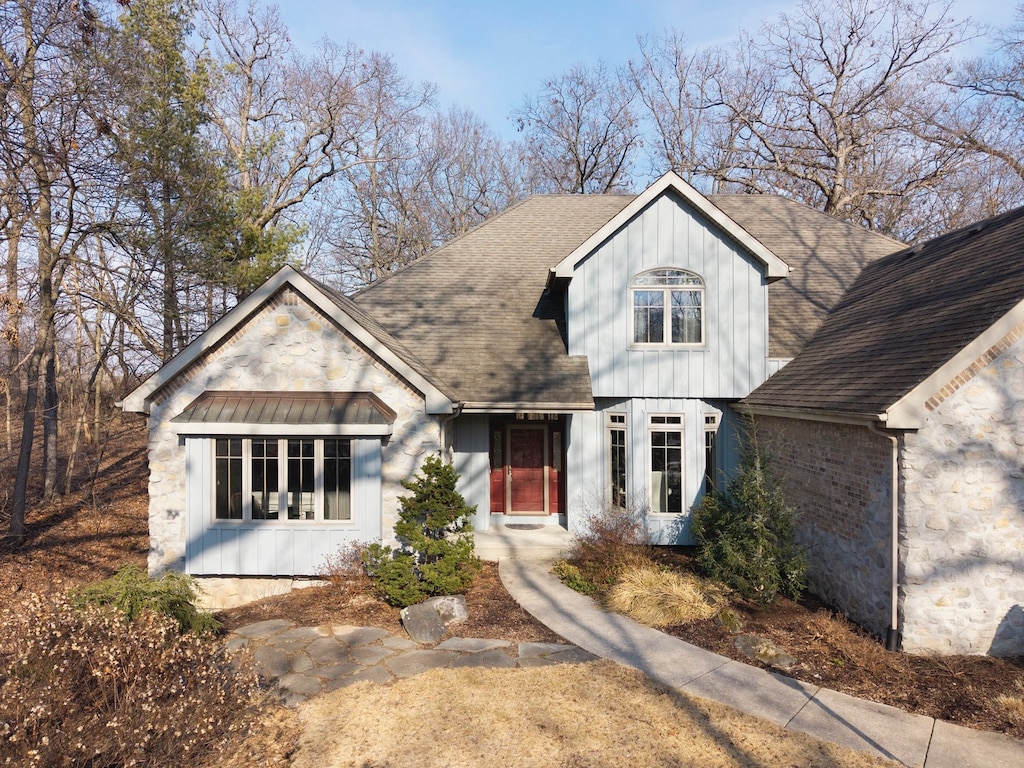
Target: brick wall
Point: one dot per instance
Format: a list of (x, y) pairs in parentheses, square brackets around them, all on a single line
[(838, 477)]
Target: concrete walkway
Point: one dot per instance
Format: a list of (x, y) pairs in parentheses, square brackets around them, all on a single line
[(307, 661), (913, 740)]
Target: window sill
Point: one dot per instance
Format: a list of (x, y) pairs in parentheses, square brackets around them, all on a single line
[(666, 347)]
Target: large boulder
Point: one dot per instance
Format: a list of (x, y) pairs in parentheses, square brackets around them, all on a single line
[(427, 622)]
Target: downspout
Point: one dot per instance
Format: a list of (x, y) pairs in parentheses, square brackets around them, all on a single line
[(892, 634), (442, 437)]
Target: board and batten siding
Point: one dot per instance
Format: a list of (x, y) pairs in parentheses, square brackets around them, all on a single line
[(471, 457), (274, 547), (588, 463), (669, 233)]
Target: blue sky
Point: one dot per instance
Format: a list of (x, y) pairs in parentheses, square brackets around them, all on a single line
[(487, 55)]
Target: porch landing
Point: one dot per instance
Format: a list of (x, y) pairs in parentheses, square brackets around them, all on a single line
[(501, 543)]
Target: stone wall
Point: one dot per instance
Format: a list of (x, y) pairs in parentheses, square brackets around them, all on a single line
[(838, 477), (286, 346), (964, 516)]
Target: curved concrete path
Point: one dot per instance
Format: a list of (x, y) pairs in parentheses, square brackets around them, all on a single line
[(913, 740)]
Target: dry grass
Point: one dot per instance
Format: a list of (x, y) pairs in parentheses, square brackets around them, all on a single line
[(657, 598), (575, 715), (1013, 705)]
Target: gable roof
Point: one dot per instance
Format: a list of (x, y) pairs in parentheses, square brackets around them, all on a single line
[(670, 182), (342, 310), (825, 255), (910, 323), (476, 312)]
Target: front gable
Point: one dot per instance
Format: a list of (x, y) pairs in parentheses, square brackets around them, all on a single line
[(670, 233), (292, 287), (278, 436)]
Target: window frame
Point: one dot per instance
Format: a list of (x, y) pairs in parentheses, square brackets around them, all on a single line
[(616, 422), (283, 492), (660, 278), (666, 423)]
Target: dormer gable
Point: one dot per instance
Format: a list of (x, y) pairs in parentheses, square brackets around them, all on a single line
[(670, 183)]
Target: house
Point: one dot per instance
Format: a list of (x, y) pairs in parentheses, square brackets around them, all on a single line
[(570, 353), (899, 430)]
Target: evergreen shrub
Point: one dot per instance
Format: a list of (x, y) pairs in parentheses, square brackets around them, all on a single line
[(436, 554), (132, 591), (745, 532)]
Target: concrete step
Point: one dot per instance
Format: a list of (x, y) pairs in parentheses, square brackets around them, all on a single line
[(500, 542)]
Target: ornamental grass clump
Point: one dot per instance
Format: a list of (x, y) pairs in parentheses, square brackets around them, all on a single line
[(658, 597), (745, 533), (436, 555), (81, 684)]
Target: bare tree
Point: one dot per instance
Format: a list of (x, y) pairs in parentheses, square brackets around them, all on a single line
[(46, 75), (471, 174), (679, 90), (581, 131), (823, 105), (982, 116), (286, 123), (379, 224)]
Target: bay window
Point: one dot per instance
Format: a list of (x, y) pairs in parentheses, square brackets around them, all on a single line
[(666, 436), (293, 479)]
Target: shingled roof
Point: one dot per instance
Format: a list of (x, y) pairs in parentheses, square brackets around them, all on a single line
[(825, 255), (474, 310), (475, 313), (905, 317)]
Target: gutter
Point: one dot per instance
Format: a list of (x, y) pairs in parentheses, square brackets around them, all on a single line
[(892, 634)]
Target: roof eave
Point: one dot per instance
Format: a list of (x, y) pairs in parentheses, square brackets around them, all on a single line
[(526, 407), (775, 267), (812, 414), (911, 409), (254, 429)]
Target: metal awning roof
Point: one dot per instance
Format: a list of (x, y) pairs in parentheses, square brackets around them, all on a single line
[(287, 408)]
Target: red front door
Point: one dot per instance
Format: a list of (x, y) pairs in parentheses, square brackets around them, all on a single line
[(526, 470)]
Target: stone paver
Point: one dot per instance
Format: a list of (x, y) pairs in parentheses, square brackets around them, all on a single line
[(471, 644), (307, 661), (417, 662), (492, 659)]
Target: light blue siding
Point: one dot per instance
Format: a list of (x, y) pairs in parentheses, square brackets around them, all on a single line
[(472, 462), (669, 233), (271, 547), (588, 481)]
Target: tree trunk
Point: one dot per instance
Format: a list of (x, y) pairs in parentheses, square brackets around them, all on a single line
[(50, 424)]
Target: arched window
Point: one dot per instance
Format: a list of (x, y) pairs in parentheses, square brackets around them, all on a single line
[(668, 307)]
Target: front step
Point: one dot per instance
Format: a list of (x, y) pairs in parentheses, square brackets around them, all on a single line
[(499, 543)]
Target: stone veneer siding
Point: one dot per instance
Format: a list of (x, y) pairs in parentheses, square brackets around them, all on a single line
[(837, 476), (963, 515), (287, 345)]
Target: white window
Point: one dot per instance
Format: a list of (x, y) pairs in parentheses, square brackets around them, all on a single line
[(710, 452), (282, 479), (666, 436), (668, 308), (617, 459)]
